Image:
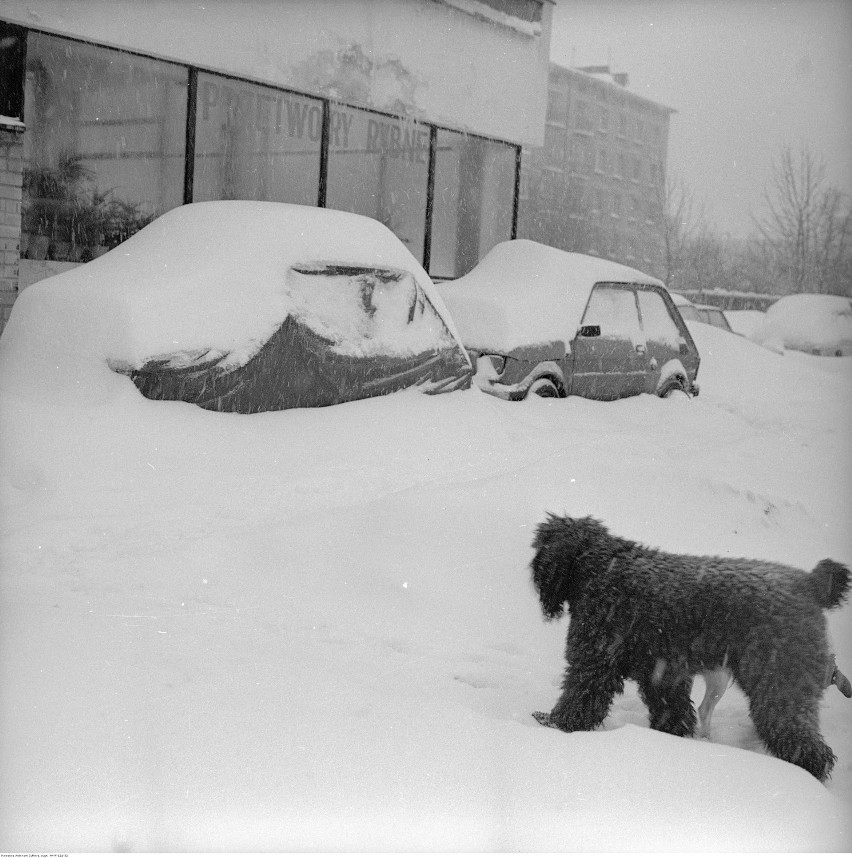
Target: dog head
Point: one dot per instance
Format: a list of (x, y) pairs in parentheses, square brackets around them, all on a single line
[(567, 552)]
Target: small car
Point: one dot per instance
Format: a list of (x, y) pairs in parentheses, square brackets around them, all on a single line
[(257, 306), (705, 313), (537, 320)]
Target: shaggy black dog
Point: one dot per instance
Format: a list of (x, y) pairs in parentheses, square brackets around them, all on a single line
[(657, 618)]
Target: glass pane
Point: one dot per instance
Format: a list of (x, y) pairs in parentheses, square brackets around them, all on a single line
[(104, 147), (366, 311), (378, 166), (656, 320), (614, 310), (474, 191), (255, 143)]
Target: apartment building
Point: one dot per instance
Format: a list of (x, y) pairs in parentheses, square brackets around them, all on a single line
[(597, 184)]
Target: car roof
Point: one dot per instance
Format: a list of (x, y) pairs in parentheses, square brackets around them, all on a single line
[(523, 292)]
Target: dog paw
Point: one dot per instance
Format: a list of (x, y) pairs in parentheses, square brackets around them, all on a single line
[(544, 719)]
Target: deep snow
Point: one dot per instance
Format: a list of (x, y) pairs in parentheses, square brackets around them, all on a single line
[(314, 629)]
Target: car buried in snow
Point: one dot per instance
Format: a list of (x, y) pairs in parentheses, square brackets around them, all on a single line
[(814, 323), (707, 314), (537, 320), (258, 306)]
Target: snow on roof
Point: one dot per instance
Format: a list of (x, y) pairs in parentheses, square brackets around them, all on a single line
[(807, 322), (522, 293), (209, 275)]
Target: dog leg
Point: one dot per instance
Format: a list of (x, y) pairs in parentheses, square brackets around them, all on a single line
[(716, 683), (669, 705), (791, 733), (587, 693)]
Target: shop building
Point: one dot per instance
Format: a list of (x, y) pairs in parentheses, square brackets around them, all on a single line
[(414, 112), (597, 184)]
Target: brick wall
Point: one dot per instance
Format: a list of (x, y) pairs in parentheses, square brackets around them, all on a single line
[(11, 177)]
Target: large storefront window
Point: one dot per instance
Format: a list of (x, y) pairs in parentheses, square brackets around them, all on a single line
[(472, 209), (104, 148), (378, 166), (255, 143), (107, 141)]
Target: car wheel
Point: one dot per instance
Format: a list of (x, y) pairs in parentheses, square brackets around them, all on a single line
[(674, 390), (543, 387)]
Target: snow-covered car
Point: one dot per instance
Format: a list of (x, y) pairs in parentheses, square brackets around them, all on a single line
[(705, 313), (540, 320), (817, 324), (257, 306)]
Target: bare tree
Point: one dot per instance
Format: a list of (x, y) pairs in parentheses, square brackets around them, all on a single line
[(806, 225), (680, 221)]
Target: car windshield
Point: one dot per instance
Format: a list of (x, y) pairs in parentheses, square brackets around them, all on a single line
[(363, 310)]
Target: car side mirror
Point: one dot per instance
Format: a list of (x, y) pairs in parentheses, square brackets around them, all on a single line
[(590, 331)]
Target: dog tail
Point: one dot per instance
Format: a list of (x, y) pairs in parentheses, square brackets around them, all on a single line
[(828, 584)]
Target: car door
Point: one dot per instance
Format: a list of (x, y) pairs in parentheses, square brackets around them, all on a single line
[(666, 336), (609, 360)]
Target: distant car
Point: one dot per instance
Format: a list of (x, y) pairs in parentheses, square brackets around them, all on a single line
[(817, 324), (537, 320), (705, 313), (247, 307)]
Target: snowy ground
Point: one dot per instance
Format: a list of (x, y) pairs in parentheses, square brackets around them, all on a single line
[(314, 629)]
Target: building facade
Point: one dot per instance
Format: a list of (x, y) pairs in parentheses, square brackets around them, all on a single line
[(413, 112), (597, 184)]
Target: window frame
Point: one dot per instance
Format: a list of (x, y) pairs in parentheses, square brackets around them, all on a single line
[(194, 70)]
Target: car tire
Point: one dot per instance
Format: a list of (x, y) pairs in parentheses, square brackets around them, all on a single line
[(544, 388), (674, 390)]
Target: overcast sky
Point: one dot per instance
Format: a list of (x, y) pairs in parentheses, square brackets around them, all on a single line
[(746, 77)]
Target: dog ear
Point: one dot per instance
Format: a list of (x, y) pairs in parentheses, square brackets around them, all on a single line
[(552, 564)]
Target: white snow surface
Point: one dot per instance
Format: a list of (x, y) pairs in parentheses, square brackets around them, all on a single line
[(807, 323), (213, 275), (315, 630), (524, 293)]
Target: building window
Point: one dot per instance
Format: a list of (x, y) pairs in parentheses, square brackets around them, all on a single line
[(604, 124), (472, 207), (257, 143), (602, 164), (554, 146), (636, 173), (557, 107), (584, 119), (104, 148), (12, 51), (622, 125), (379, 168)]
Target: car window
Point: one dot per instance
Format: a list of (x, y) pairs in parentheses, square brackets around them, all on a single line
[(657, 322), (688, 311), (717, 318), (365, 311), (613, 309)]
